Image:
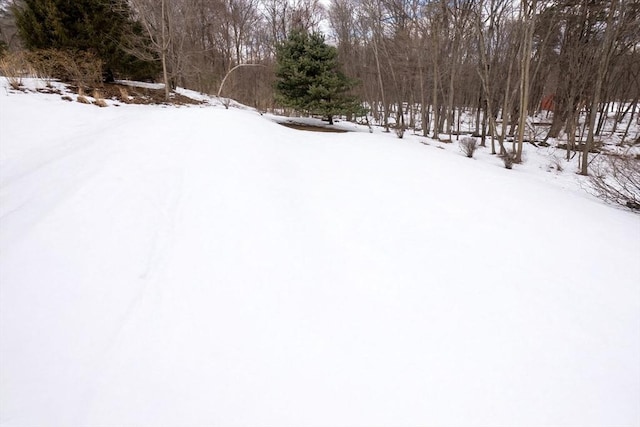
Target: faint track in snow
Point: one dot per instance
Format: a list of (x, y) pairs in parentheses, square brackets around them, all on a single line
[(27, 194), (25, 201), (159, 188)]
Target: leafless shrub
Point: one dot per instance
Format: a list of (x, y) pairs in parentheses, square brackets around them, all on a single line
[(82, 68), (616, 179), (508, 158), (468, 146), (15, 66), (555, 164)]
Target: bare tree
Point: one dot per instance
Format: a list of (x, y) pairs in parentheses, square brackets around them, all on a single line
[(528, 19), (605, 53), (156, 19)]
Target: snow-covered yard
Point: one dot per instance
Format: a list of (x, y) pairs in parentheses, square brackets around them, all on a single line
[(198, 266)]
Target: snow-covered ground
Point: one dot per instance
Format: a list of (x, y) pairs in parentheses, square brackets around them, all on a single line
[(199, 266)]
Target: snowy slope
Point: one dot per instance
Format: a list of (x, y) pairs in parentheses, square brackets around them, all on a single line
[(200, 266)]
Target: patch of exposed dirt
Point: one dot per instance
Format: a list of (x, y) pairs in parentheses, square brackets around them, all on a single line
[(50, 90), (137, 95), (300, 126)]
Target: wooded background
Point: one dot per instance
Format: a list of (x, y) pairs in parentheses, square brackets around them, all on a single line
[(421, 64)]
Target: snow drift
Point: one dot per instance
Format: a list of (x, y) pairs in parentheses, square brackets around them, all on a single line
[(197, 266)]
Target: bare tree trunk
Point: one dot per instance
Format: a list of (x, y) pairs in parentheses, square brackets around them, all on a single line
[(436, 107), (528, 11), (506, 103), (604, 111), (483, 73), (452, 79), (477, 131), (572, 124), (633, 112), (605, 57), (424, 112), (165, 48), (382, 96), (484, 131)]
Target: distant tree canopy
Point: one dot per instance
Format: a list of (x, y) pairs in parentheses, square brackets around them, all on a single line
[(97, 26), (308, 78)]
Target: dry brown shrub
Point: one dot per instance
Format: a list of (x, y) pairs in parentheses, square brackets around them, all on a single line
[(124, 93), (81, 97), (15, 66), (81, 68), (98, 99)]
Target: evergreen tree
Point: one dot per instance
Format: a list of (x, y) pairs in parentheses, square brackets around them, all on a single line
[(309, 78), (97, 26)]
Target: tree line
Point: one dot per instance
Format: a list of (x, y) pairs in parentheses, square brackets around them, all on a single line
[(420, 64), (497, 60)]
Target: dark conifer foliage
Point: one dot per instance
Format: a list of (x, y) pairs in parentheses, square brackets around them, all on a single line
[(309, 79), (96, 26)]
